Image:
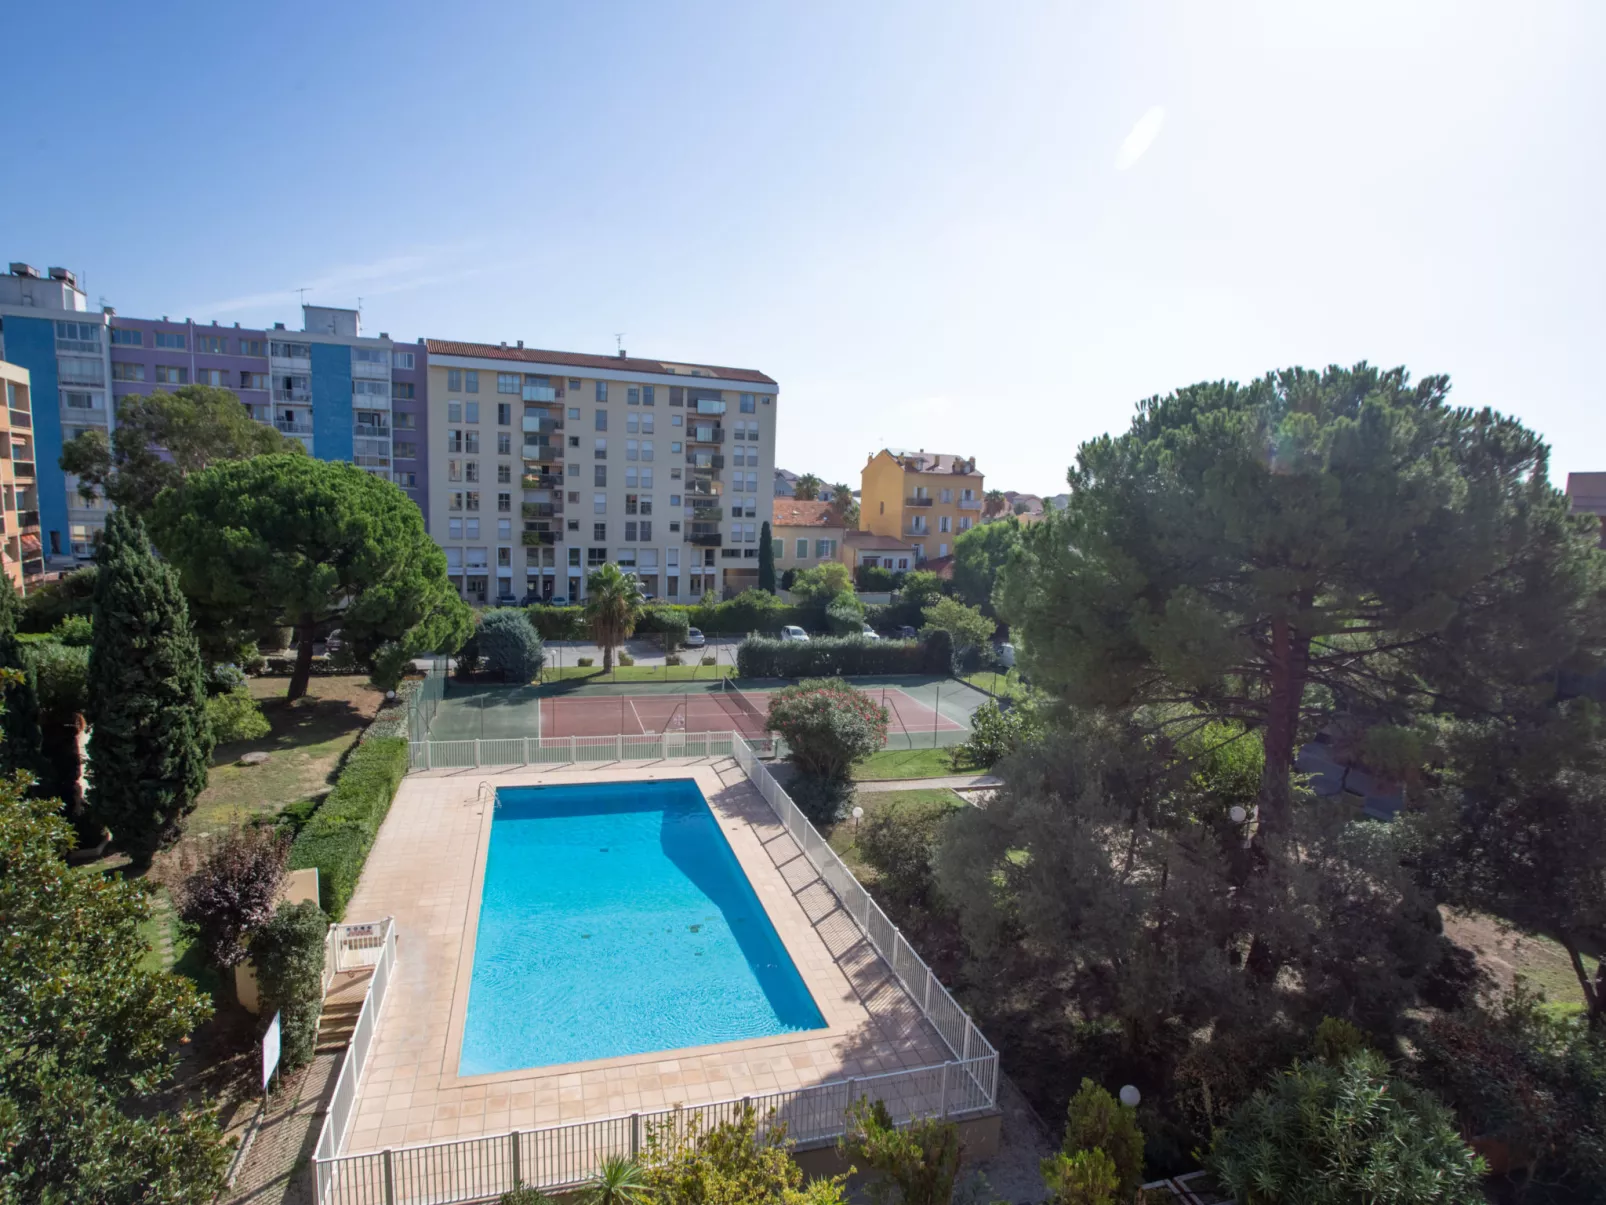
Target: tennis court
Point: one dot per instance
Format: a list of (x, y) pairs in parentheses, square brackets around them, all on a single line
[(928, 712)]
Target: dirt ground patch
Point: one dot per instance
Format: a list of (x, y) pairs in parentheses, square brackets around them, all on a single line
[(1506, 953)]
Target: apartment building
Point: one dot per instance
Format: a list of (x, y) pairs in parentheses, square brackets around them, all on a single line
[(922, 499), (19, 514), (345, 395), (805, 534), (548, 464)]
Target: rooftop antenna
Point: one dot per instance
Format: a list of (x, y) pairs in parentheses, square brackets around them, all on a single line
[(359, 305), (301, 295), (619, 341)]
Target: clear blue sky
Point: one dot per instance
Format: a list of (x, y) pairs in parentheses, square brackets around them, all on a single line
[(984, 228)]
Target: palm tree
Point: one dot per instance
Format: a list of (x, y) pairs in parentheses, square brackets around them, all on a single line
[(995, 503), (619, 1181), (844, 506), (807, 488), (613, 604)]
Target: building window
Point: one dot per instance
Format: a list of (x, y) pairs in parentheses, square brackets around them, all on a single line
[(747, 406), (454, 500), (599, 475), (128, 372), (212, 345), (454, 412), (209, 376), (504, 444), (602, 391), (630, 530), (454, 380), (646, 479), (599, 504), (406, 449), (601, 423), (402, 422), (401, 359), (947, 496), (81, 401), (253, 347), (504, 474), (504, 414), (454, 529), (471, 412), (631, 450), (824, 549), (646, 395), (471, 442), (170, 340), (402, 389), (471, 380), (454, 470), (574, 414), (646, 424), (600, 452), (596, 556), (253, 380), (472, 497), (574, 383), (504, 556), (632, 396), (166, 374), (632, 424), (507, 382), (471, 470), (408, 480), (646, 449), (943, 522), (122, 337), (504, 501)]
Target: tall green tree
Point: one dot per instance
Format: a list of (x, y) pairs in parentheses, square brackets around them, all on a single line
[(766, 559), (994, 504), (299, 542), (807, 488), (613, 605), (151, 743), (90, 1034), (22, 748), (980, 555), (844, 505), (1267, 553), (161, 438)]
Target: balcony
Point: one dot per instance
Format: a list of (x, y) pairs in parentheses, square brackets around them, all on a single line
[(918, 501), (540, 393), (708, 514), (286, 427), (541, 510), (709, 406), (917, 531), (32, 568), (540, 423), (704, 434), (21, 419), (22, 468), (532, 539), (27, 519), (705, 539), (370, 431), (542, 481), (705, 461), (367, 461), (537, 445), (970, 504), (297, 396)]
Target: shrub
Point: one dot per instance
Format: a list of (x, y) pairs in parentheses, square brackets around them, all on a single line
[(338, 837), (915, 1165), (75, 631), (525, 1194), (829, 656), (1339, 1135), (585, 662), (898, 840), (233, 892), (1096, 1121), (967, 628), (876, 579), (558, 623), (709, 659), (731, 1163), (236, 716), (510, 646), (389, 665), (995, 733), (468, 657), (671, 623), (828, 726), (1085, 1178), (673, 659), (224, 677), (47, 605), (288, 955), (626, 659), (845, 614), (823, 582)]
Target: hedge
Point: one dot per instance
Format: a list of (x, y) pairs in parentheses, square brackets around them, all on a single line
[(340, 833), (837, 656), (558, 623), (751, 611)]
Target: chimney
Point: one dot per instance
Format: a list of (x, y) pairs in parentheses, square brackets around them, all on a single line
[(64, 275), (25, 270), (621, 353), (108, 311), (164, 317), (504, 344), (214, 322), (521, 344), (236, 326), (278, 326), (384, 334)]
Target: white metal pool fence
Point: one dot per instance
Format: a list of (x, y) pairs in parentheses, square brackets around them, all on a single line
[(478, 1169), (569, 750), (347, 947)]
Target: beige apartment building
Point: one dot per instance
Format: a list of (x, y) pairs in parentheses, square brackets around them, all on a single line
[(20, 550), (805, 534), (545, 465), (924, 499)]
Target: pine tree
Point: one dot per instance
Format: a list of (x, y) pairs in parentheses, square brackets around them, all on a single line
[(21, 749), (766, 559), (150, 744)]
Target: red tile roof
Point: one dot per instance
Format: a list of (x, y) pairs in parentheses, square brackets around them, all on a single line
[(869, 539), (692, 373), (789, 512)]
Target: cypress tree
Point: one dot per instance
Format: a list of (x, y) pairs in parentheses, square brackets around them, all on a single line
[(21, 749), (766, 559), (150, 743)]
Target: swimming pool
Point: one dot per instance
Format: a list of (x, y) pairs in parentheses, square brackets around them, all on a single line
[(614, 919)]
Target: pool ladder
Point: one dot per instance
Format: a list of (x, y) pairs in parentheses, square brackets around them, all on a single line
[(486, 795)]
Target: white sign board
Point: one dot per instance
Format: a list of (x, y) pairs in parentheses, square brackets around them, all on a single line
[(270, 1051)]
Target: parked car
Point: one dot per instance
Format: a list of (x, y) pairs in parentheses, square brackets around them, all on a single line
[(558, 600), (906, 633), (870, 633), (1006, 656), (531, 598), (794, 633), (694, 639), (506, 600), (332, 643)]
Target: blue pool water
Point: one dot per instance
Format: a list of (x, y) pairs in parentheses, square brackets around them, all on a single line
[(616, 920)]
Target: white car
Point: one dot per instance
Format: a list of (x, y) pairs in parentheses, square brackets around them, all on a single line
[(694, 639), (870, 633), (794, 633)]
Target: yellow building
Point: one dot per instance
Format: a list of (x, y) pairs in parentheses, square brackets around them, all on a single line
[(20, 550), (924, 499)]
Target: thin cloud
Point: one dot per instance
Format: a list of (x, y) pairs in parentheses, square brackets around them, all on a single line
[(393, 274), (1141, 138)]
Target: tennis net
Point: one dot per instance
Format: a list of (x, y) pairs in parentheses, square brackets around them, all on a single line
[(744, 707)]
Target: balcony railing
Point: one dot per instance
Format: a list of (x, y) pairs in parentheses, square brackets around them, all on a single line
[(706, 435), (917, 531), (540, 393), (534, 538), (32, 568), (918, 501), (292, 428), (302, 396), (705, 539), (705, 461), (708, 514), (542, 481), (21, 418), (22, 468), (970, 504), (541, 510), (27, 519), (370, 431), (536, 422)]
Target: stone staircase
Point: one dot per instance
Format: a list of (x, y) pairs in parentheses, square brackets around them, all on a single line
[(337, 1024)]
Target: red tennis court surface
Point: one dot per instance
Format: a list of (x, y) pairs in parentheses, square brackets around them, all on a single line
[(717, 711)]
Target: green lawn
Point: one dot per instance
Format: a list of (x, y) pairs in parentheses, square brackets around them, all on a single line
[(1006, 685), (308, 739), (639, 673), (892, 764), (843, 835)]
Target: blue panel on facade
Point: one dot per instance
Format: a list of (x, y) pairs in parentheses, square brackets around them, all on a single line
[(331, 401), (31, 343)]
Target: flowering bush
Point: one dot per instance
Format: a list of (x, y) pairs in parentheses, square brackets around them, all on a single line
[(828, 726)]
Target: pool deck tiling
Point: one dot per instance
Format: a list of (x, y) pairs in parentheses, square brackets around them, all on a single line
[(425, 870)]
